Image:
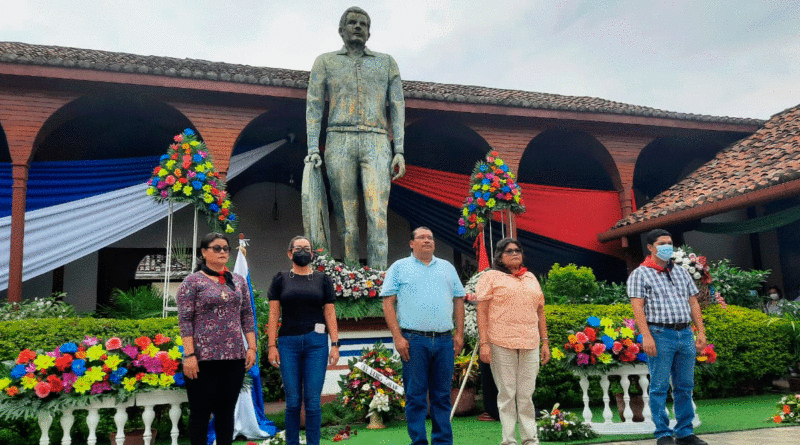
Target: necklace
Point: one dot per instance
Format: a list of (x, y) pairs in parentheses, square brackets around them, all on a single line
[(292, 275)]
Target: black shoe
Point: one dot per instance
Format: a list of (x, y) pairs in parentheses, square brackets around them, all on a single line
[(665, 440), (691, 440)]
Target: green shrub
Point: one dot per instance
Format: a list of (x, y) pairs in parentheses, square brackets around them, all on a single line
[(570, 284), (49, 333), (611, 293), (738, 286), (137, 303), (47, 307)]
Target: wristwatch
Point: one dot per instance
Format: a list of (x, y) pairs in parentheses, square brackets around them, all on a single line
[(336, 343)]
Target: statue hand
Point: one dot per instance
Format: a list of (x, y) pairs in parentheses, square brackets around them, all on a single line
[(313, 158), (398, 163)]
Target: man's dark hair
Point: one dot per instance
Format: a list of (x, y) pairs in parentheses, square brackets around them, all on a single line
[(357, 10), (653, 235), (414, 232)]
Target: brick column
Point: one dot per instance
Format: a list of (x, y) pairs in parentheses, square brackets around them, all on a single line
[(19, 190), (510, 143)]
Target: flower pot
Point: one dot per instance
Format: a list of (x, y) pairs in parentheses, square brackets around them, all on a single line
[(132, 437), (467, 402), (637, 406), (375, 423)]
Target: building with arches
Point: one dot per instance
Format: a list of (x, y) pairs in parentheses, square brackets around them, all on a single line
[(79, 122)]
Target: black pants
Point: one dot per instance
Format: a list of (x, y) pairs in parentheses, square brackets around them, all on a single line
[(214, 391), (489, 391)]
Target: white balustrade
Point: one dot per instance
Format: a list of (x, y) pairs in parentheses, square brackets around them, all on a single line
[(628, 426), (148, 400)]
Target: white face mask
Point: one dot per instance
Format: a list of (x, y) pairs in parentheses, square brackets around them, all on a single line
[(774, 296)]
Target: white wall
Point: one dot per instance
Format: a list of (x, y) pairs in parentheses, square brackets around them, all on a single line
[(80, 283)]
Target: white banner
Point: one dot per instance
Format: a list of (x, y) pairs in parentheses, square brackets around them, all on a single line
[(380, 377)]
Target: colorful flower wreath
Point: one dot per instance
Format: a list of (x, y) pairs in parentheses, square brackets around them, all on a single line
[(492, 188), (186, 174), (602, 343), (359, 389)]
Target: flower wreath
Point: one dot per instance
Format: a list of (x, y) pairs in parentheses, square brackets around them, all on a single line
[(186, 174), (349, 282), (365, 395), (492, 187)]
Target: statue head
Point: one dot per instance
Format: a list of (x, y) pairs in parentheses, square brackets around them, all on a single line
[(354, 26)]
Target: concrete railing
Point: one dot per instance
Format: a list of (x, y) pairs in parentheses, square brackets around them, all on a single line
[(608, 426), (148, 400)]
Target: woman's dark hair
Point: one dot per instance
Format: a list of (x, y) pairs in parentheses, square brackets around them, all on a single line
[(206, 241), (291, 243), (780, 294), (498, 253)]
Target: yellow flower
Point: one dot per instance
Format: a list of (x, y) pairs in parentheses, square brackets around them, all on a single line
[(194, 143), (226, 204), (95, 373), (150, 379), (228, 228), (556, 353), (165, 380), (95, 352), (403, 402), (113, 362), (611, 333), (476, 187), (491, 202), (175, 353), (129, 383), (207, 188), (29, 382), (200, 169), (606, 322), (151, 350), (169, 165), (485, 187), (44, 362), (187, 190), (208, 198), (209, 165), (605, 358), (368, 284), (516, 199), (572, 339), (177, 187), (151, 191), (185, 146), (82, 385), (162, 173), (178, 341), (498, 162), (626, 332), (465, 212), (4, 382)]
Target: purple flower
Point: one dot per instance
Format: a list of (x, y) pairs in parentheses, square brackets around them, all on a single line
[(131, 351), (68, 379), (100, 387), (583, 359)]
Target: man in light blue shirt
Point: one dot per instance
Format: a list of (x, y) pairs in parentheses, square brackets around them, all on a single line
[(423, 302)]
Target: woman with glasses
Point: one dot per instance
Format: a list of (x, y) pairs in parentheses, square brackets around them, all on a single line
[(213, 312), (303, 300), (511, 325)]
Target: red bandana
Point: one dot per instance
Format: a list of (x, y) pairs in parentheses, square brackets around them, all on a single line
[(648, 262), (520, 272)]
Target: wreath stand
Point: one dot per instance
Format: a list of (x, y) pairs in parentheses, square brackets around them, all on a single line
[(170, 305)]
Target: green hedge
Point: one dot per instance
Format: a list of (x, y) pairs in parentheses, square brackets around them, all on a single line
[(750, 352)]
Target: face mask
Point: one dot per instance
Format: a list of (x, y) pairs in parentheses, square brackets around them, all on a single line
[(301, 258), (664, 252), (773, 296)]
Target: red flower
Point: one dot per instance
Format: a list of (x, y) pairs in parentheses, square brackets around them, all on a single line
[(582, 337), (178, 137), (161, 339), (598, 348), (156, 170), (481, 202), (42, 389), (113, 343), (56, 385), (12, 391), (143, 342), (591, 333), (170, 180), (372, 293), (64, 362), (183, 180), (25, 356)]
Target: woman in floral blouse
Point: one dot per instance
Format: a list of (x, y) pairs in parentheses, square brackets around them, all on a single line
[(213, 312)]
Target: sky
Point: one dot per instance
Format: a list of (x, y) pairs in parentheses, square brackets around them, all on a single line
[(736, 58)]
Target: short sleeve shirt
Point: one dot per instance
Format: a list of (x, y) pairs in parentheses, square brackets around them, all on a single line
[(665, 294), (302, 299), (424, 293), (215, 316), (513, 304)]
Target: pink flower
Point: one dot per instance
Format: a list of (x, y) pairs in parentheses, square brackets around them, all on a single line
[(598, 348), (90, 341), (178, 138), (100, 387), (113, 343), (469, 200), (164, 193), (630, 322), (68, 379), (583, 359), (582, 338), (617, 347), (42, 389)]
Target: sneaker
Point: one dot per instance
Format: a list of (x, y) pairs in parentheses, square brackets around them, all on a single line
[(665, 440), (691, 440)]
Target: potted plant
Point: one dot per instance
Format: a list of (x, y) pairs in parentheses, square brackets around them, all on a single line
[(467, 401)]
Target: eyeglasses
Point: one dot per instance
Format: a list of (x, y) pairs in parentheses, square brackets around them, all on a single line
[(513, 251), (218, 249), (302, 249), (424, 237)]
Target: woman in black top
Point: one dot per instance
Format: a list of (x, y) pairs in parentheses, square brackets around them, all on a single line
[(305, 300)]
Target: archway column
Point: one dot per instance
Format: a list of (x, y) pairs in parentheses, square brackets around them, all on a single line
[(219, 127), (22, 115), (510, 143)]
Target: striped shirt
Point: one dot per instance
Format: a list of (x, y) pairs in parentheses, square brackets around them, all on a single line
[(666, 298)]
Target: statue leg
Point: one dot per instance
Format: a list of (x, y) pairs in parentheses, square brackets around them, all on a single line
[(375, 161), (341, 161)]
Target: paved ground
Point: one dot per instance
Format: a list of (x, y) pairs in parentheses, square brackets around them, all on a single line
[(766, 436)]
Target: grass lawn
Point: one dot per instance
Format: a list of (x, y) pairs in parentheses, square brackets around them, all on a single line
[(716, 416)]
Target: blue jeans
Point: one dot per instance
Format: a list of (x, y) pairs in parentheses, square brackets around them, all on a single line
[(675, 356), (429, 371), (304, 359)]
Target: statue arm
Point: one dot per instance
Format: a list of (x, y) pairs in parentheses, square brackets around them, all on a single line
[(315, 104), (397, 107)]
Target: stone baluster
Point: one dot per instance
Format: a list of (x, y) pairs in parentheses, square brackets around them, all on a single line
[(45, 420), (607, 414), (92, 419), (67, 419)]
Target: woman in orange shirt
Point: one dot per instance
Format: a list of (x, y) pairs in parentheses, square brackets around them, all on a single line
[(511, 325)]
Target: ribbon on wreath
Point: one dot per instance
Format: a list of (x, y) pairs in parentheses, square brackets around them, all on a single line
[(370, 371), (480, 251)]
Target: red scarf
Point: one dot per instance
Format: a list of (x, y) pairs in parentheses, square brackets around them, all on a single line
[(649, 262), (522, 270)]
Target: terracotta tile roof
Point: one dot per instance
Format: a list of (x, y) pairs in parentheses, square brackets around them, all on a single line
[(768, 157), (28, 54)]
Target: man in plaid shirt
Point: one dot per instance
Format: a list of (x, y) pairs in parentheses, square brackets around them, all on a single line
[(664, 301)]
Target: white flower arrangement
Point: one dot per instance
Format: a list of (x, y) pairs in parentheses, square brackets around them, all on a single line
[(349, 282), (379, 403), (696, 265), (470, 309)]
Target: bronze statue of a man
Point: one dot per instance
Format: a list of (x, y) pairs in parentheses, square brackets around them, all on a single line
[(359, 84)]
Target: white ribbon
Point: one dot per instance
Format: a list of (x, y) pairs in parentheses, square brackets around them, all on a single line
[(379, 377)]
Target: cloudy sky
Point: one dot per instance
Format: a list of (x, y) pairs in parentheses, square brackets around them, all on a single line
[(725, 57)]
